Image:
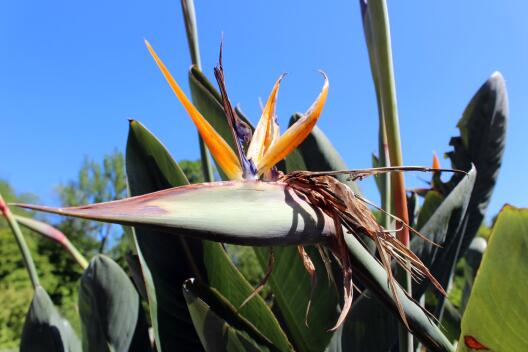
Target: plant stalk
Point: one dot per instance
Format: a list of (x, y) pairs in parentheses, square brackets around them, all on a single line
[(383, 148), (22, 245), (53, 234), (377, 32), (191, 29), (79, 258)]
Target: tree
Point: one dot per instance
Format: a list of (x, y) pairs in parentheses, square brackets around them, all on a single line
[(95, 183), (193, 170), (15, 286)]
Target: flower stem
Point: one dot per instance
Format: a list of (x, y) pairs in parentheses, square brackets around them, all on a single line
[(377, 33), (191, 29), (79, 258), (22, 245)]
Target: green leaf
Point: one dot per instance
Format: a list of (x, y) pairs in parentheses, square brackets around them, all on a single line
[(203, 259), (219, 326), (495, 314), (225, 277), (45, 330), (483, 136), (473, 258), (370, 326), (368, 269), (451, 321), (291, 286), (432, 201), (136, 274), (412, 207), (110, 309), (293, 162), (447, 228), (166, 261)]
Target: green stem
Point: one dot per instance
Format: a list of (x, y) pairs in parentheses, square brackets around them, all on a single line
[(191, 29), (379, 20), (383, 148), (189, 17), (207, 168), (79, 258), (22, 245), (384, 160), (376, 19), (53, 234)]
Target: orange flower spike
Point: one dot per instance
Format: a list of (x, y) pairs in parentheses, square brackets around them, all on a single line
[(221, 151), (436, 162), (295, 135)]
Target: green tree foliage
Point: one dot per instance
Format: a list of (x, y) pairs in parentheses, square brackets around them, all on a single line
[(193, 170), (96, 182), (15, 287)]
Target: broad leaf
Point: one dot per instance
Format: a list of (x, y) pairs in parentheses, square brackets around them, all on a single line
[(207, 259), (291, 286), (45, 330), (136, 274), (370, 326), (293, 162), (473, 258), (432, 201), (495, 318), (368, 269), (450, 322), (218, 324), (110, 309), (446, 227), (481, 142), (225, 277), (166, 261)]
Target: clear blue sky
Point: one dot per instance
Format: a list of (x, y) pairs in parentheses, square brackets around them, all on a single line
[(72, 72)]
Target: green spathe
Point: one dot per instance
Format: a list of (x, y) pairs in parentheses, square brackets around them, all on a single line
[(240, 212)]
